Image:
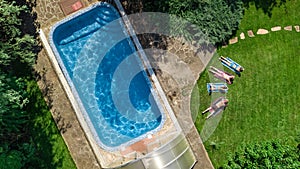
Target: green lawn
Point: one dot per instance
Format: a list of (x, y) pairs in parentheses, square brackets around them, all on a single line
[(264, 101), (51, 150), (284, 15)]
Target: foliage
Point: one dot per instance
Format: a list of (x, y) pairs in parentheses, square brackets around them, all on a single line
[(15, 51), (216, 19), (29, 137), (9, 20), (11, 159), (155, 6), (13, 99), (16, 158), (268, 154), (15, 48)]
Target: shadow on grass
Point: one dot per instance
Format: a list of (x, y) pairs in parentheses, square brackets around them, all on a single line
[(40, 145), (204, 99), (51, 151), (266, 5)]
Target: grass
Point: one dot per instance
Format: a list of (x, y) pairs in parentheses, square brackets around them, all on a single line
[(283, 15), (264, 101), (51, 150)]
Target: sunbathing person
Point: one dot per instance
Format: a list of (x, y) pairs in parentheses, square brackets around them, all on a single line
[(216, 107), (216, 87), (212, 87), (230, 63), (228, 78)]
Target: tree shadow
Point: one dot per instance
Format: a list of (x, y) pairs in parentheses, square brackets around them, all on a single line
[(266, 5), (29, 26), (132, 6), (43, 131)]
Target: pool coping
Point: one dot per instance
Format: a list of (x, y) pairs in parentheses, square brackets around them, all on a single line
[(74, 102), (147, 64), (80, 105), (68, 91), (48, 14)]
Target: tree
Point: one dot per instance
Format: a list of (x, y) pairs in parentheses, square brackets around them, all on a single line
[(11, 159), (12, 100), (29, 137), (9, 20), (16, 49), (16, 61), (216, 19), (267, 154)]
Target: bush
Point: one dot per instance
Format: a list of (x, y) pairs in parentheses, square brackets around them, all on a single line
[(217, 19), (267, 154)]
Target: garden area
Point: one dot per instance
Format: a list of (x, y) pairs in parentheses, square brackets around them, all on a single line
[(29, 137), (260, 128), (264, 102)]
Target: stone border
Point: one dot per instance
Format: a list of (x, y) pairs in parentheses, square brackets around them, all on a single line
[(161, 93), (262, 31), (156, 95), (69, 93), (49, 13)]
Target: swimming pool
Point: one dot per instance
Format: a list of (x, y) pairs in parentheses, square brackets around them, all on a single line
[(106, 75)]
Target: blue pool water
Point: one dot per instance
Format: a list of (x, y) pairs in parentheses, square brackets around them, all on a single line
[(106, 75)]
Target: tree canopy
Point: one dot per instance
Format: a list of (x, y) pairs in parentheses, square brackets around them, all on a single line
[(16, 58), (15, 47), (266, 154), (29, 137), (217, 19)]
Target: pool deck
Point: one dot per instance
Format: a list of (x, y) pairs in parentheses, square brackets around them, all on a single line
[(48, 13)]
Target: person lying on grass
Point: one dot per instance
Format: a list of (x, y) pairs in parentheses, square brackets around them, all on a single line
[(228, 78), (216, 87), (216, 107), (232, 64)]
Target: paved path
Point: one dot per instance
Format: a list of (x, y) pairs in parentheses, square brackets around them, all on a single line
[(262, 31), (179, 71), (48, 13)]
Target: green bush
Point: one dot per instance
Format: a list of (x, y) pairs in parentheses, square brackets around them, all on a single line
[(29, 137), (267, 154), (216, 19)]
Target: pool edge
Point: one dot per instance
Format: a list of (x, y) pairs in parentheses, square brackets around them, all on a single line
[(102, 160), (75, 94), (61, 74), (69, 94)]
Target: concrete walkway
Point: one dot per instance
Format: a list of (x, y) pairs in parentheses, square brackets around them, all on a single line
[(48, 13)]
